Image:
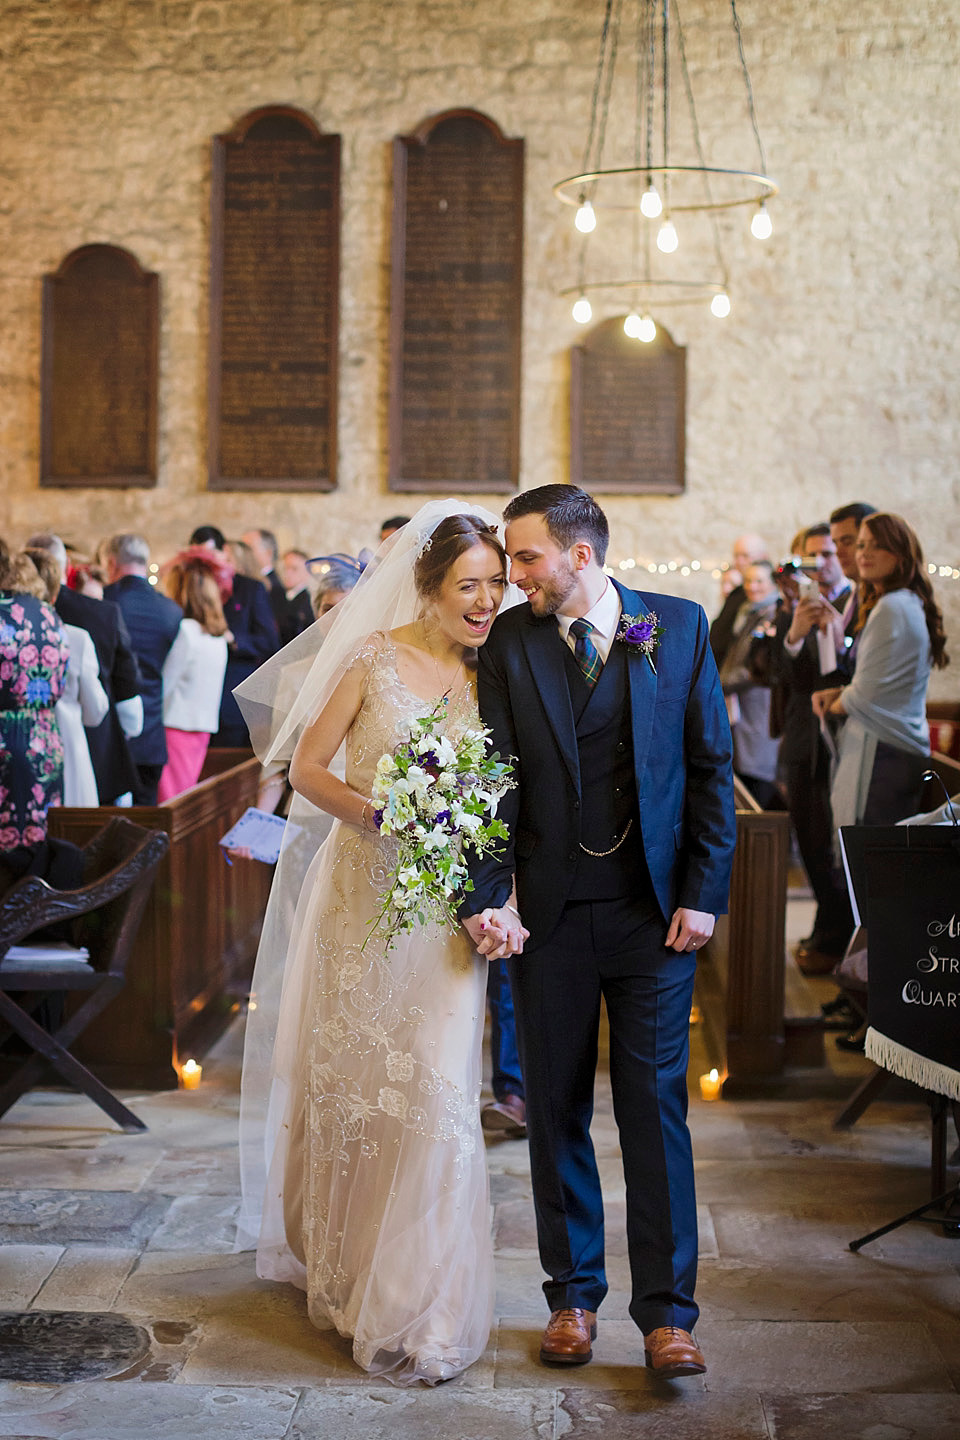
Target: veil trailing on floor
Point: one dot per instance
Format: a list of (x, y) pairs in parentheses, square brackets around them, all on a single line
[(278, 702)]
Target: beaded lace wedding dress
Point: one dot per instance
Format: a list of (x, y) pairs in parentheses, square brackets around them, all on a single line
[(376, 1198)]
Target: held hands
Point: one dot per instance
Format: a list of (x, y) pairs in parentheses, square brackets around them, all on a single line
[(689, 930), (497, 933)]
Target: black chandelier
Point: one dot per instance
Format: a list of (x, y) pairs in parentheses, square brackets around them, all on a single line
[(654, 189)]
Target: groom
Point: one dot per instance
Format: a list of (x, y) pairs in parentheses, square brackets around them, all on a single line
[(621, 839)]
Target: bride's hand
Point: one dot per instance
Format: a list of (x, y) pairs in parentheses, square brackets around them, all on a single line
[(502, 933)]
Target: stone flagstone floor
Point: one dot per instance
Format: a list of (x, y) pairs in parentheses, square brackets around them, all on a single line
[(804, 1339)]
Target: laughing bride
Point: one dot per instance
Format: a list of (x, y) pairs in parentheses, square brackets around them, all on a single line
[(369, 1190)]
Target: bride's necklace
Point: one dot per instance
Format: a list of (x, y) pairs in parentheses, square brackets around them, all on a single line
[(445, 697), (446, 690)]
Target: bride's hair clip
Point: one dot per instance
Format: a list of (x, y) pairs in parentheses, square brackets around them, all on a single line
[(425, 544)]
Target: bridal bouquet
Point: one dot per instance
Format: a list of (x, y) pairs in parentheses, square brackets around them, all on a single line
[(438, 797)]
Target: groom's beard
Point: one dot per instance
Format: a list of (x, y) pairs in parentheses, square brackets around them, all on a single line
[(552, 592)]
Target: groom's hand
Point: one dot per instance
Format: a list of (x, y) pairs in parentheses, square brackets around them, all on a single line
[(689, 929), (496, 933)]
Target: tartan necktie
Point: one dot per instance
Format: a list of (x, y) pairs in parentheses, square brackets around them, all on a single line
[(585, 652)]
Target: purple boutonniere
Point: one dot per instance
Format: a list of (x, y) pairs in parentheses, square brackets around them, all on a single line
[(643, 633)]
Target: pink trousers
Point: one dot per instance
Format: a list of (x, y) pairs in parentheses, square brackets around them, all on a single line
[(185, 753)]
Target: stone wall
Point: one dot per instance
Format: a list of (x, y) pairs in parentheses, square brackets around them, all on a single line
[(834, 377)]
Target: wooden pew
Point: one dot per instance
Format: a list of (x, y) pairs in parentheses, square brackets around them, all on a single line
[(195, 952), (740, 973)]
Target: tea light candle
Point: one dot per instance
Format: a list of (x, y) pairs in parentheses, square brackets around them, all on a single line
[(710, 1086), (190, 1075)]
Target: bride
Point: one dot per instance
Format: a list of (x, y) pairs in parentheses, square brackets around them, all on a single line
[(363, 1166)]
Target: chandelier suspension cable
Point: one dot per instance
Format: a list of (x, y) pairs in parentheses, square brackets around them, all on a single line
[(666, 94), (698, 145), (749, 85), (602, 80)]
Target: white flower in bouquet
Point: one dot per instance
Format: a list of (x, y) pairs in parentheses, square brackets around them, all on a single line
[(437, 797)]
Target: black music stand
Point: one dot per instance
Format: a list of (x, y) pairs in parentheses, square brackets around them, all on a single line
[(902, 879)]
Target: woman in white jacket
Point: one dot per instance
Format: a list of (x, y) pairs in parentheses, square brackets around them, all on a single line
[(192, 672)]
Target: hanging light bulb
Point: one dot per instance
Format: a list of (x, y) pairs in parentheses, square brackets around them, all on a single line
[(633, 325), (647, 331), (585, 218), (582, 311), (667, 237), (650, 203), (720, 305), (761, 226)]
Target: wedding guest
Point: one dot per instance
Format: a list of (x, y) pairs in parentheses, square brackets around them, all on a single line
[(250, 621), (193, 671), (845, 524), (83, 700), (85, 576), (265, 551), (506, 1113), (884, 742), (391, 525), (34, 656), (338, 575), (812, 651), (747, 692), (299, 589), (119, 675), (243, 560), (153, 621), (746, 549)]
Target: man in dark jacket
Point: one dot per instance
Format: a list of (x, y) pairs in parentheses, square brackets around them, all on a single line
[(254, 637), (263, 544), (812, 657), (153, 621)]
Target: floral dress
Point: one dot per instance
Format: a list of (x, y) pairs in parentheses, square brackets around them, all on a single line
[(34, 656), (377, 1201)]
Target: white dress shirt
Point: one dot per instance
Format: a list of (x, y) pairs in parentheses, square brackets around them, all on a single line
[(604, 616)]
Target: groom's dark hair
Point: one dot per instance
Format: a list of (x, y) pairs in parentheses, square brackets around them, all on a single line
[(569, 513)]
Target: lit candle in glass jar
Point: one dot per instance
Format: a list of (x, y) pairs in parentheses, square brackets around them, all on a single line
[(190, 1075)]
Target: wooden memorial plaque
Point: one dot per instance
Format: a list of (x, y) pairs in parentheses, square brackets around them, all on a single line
[(627, 413), (99, 371), (456, 299), (274, 277)]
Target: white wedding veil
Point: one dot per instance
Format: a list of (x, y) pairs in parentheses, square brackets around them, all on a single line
[(277, 702)]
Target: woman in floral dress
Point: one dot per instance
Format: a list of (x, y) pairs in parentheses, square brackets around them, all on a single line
[(33, 665)]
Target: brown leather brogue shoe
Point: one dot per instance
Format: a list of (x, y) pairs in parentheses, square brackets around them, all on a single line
[(507, 1117), (566, 1340), (671, 1353)]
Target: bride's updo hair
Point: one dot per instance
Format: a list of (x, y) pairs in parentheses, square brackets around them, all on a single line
[(453, 536)]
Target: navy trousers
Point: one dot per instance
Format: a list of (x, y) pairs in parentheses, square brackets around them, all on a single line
[(506, 1078), (611, 949)]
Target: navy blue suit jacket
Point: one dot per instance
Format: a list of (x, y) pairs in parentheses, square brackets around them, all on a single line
[(255, 639), (682, 755), (153, 620)]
